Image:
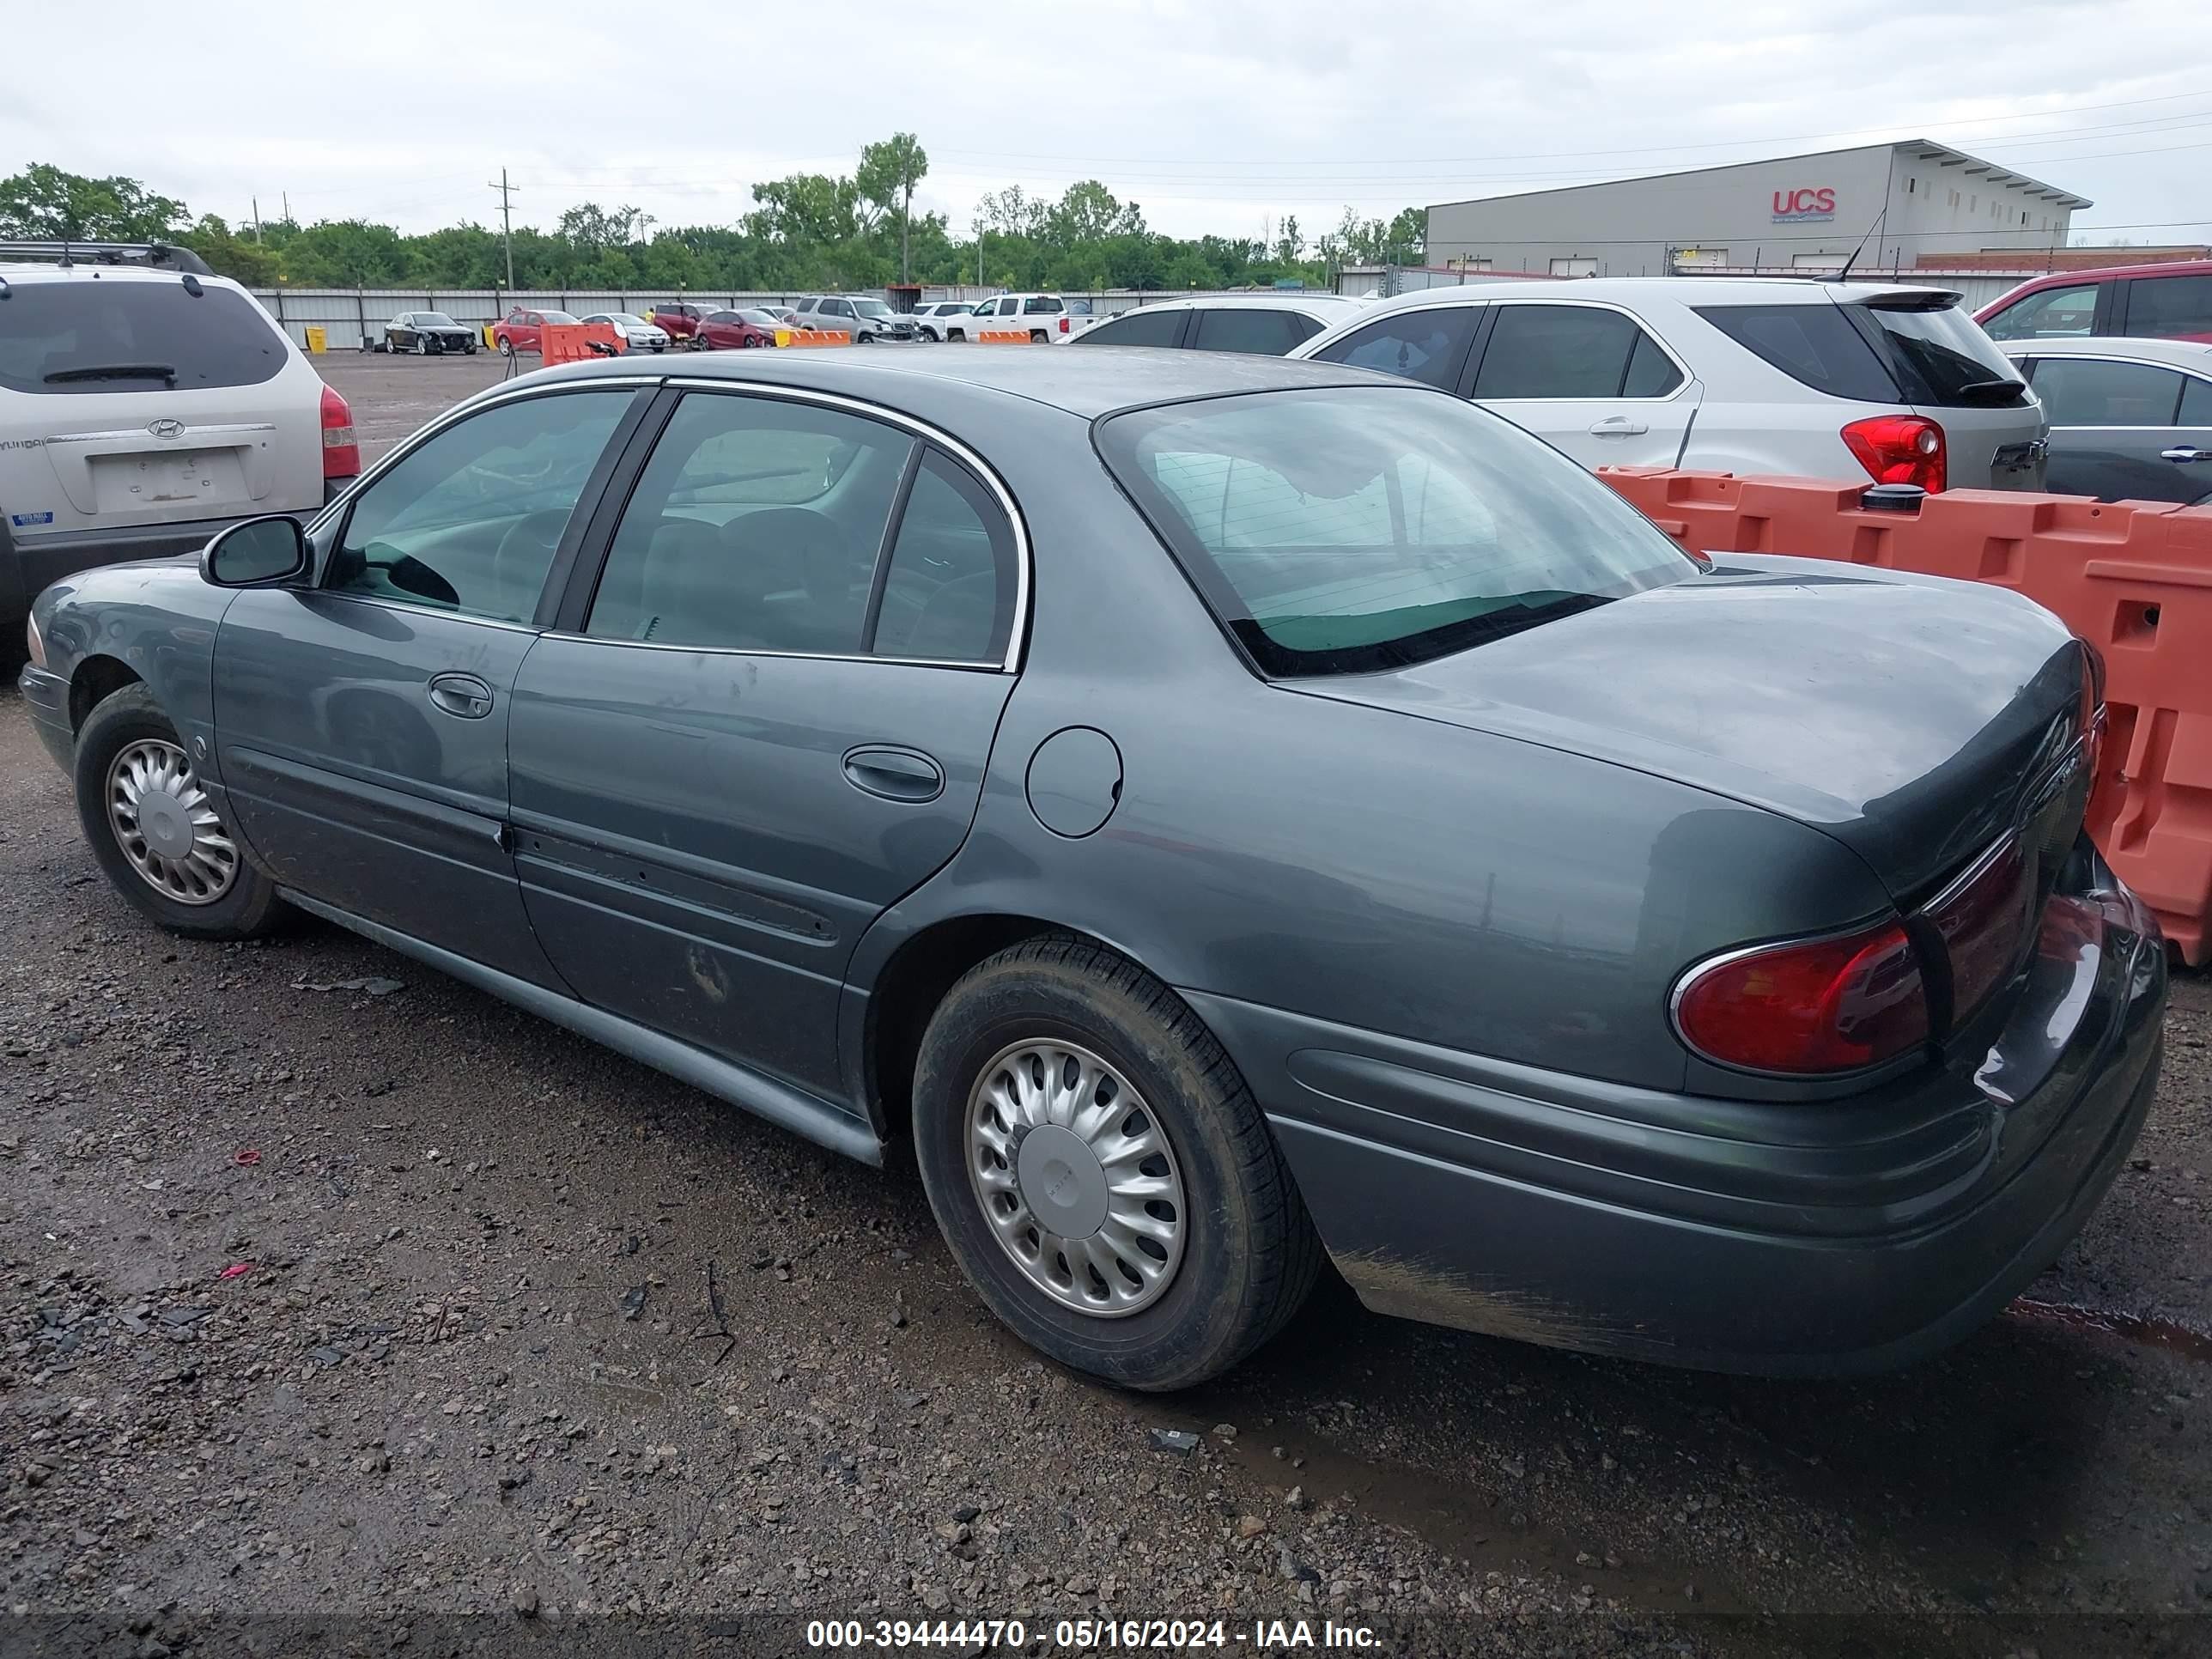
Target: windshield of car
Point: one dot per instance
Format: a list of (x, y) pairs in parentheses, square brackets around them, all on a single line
[(757, 319), (1945, 351), (434, 319), (85, 335), (556, 317), (872, 307), (1351, 529), (629, 319)]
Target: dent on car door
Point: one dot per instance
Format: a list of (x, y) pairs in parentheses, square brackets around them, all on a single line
[(1587, 379), (766, 721), (361, 722)]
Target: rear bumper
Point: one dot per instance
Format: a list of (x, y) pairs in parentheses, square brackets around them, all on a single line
[(1773, 1239), (45, 695)]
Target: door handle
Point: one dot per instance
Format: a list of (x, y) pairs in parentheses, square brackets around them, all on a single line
[(894, 774), (462, 696), (1618, 426), (2185, 453)]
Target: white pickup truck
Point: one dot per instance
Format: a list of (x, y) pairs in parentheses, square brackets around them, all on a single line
[(1041, 316)]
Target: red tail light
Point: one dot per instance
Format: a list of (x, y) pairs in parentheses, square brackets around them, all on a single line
[(1063, 325), (1983, 919), (1898, 449), (341, 449), (1807, 1007)]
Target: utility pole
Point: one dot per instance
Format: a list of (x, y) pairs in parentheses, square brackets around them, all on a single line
[(256, 200), (285, 195), (506, 224)]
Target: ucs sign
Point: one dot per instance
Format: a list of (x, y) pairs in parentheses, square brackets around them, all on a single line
[(1795, 206)]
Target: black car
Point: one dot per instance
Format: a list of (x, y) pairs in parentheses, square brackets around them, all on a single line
[(429, 333)]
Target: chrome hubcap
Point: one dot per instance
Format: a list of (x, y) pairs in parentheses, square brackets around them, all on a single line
[(165, 826), (1076, 1177)]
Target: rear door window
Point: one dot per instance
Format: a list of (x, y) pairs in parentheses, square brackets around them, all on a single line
[(102, 335), (1256, 329), (1815, 345), (2170, 307), (1155, 327), (947, 594), (1427, 344), (2090, 392), (2197, 403), (754, 526), (1566, 351)]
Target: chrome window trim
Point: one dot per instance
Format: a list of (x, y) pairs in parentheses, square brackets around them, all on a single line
[(1011, 662)]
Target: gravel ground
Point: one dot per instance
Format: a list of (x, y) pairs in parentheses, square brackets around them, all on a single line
[(338, 1293)]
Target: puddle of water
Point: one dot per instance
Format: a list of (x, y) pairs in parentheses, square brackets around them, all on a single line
[(1453, 1517), (2167, 1334)]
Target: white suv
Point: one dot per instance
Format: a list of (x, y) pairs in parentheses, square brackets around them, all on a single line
[(1742, 374), (144, 405)]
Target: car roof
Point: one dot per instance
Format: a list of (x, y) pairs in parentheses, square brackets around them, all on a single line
[(1680, 290), (1279, 299), (20, 271), (1084, 384), (2105, 273), (2175, 354)]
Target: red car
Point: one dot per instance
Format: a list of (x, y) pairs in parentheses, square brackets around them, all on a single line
[(720, 331), (2159, 302), (680, 318), (522, 330)]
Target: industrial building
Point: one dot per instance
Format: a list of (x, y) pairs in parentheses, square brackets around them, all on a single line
[(1795, 212)]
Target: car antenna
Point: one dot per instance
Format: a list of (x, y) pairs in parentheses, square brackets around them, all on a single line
[(1845, 275)]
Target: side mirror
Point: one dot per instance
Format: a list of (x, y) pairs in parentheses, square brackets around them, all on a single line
[(256, 553)]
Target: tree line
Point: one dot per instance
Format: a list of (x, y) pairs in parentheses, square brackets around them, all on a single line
[(809, 231)]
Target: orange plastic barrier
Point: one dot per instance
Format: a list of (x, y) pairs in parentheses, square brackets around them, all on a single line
[(816, 337), (571, 342), (2133, 578), (1001, 336)]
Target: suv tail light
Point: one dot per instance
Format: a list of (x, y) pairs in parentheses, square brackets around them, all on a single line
[(1809, 1007), (341, 449), (1898, 449)]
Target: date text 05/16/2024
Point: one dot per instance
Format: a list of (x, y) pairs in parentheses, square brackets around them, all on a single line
[(1093, 1635)]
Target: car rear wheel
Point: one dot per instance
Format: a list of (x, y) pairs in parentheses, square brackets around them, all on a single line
[(1105, 1179), (155, 832), (1038, 337)]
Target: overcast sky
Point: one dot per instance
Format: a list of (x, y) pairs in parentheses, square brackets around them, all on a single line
[(1216, 117)]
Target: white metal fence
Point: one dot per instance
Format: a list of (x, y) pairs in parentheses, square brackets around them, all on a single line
[(351, 317)]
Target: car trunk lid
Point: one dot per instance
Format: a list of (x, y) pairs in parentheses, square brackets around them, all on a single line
[(1914, 720)]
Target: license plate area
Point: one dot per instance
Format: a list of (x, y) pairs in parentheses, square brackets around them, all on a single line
[(153, 482)]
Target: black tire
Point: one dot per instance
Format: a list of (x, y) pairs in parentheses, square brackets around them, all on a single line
[(250, 909), (1038, 337), (1251, 1253), (468, 348), (959, 334), (506, 346)]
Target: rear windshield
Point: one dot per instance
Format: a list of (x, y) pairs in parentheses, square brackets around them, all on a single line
[(556, 317), (1942, 358), (1349, 529), (99, 335)]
